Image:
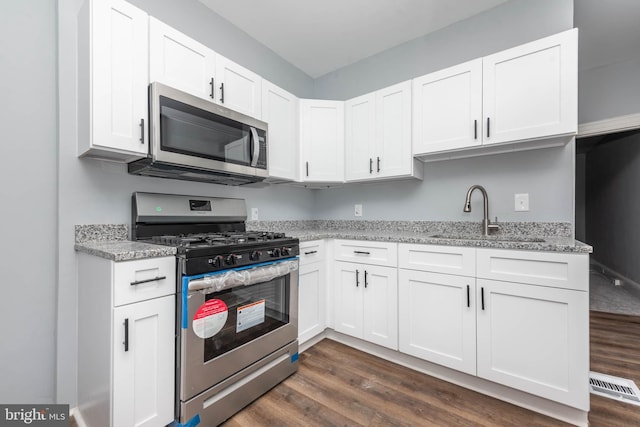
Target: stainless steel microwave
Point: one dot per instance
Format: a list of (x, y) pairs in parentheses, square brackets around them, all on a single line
[(194, 139)]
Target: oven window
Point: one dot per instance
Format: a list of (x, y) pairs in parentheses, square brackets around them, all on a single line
[(188, 130), (252, 312)]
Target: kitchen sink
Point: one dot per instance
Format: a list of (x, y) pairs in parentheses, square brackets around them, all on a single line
[(491, 238)]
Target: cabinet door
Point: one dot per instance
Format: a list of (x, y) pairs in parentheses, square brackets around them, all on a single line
[(143, 373), (238, 88), (530, 91), (447, 109), (322, 139), (181, 62), (119, 54), (311, 301), (360, 137), (380, 311), (392, 155), (348, 282), (280, 111), (535, 339), (437, 317)]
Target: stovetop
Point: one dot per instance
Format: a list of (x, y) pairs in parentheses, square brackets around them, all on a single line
[(210, 240)]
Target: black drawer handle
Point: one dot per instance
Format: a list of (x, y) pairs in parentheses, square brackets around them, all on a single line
[(311, 252), (475, 129), (365, 279), (488, 127), (482, 298), (139, 282), (370, 165), (212, 88), (126, 335), (142, 131), (362, 252), (357, 281), (468, 297)]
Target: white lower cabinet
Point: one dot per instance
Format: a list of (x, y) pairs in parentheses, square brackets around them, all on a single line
[(437, 318), (366, 302), (530, 332), (535, 339), (126, 341), (312, 293)]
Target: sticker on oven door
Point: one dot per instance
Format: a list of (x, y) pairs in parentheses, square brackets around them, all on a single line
[(250, 315), (210, 318)]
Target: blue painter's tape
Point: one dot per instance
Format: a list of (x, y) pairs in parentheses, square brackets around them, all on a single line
[(193, 422), (294, 357), (185, 302)]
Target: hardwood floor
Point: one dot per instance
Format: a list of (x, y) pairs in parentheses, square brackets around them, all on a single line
[(615, 350), (339, 386)]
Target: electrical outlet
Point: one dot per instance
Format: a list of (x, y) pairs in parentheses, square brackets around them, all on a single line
[(254, 214), (521, 202), (357, 210)]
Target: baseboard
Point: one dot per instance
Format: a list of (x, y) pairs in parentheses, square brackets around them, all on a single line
[(77, 416), (613, 273)]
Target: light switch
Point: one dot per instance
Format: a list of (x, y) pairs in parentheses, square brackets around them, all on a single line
[(254, 214), (521, 202), (357, 211)]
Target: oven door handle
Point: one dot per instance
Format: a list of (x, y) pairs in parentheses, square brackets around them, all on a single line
[(260, 273), (255, 146)]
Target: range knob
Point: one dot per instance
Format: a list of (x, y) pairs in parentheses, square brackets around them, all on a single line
[(255, 255), (231, 259), (286, 251), (217, 261), (275, 253)]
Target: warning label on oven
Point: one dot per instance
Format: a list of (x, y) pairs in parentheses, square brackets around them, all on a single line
[(210, 318), (250, 315)]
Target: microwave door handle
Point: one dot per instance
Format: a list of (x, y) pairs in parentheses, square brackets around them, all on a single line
[(255, 144)]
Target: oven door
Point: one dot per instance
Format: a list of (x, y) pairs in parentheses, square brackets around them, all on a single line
[(232, 319)]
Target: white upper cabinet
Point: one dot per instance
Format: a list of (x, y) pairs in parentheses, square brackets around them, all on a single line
[(181, 62), (280, 109), (322, 140), (378, 135), (447, 108), (525, 93), (238, 88), (531, 91), (112, 80)]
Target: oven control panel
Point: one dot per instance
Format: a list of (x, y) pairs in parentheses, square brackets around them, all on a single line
[(242, 256)]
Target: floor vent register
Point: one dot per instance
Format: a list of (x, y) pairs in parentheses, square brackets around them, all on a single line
[(616, 388)]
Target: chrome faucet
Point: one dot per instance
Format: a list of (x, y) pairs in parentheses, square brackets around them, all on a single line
[(486, 224)]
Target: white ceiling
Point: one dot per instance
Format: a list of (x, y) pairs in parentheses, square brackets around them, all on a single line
[(322, 36)]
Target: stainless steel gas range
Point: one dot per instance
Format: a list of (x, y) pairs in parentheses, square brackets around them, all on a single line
[(237, 302)]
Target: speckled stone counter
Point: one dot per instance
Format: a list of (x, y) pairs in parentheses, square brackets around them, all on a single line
[(550, 237), (110, 241)]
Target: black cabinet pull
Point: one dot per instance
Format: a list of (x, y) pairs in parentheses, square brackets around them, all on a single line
[(311, 252), (482, 298), (357, 281), (141, 131), (307, 168), (370, 165), (475, 129), (362, 252), (365, 279), (213, 86), (222, 93), (126, 334), (378, 164), (468, 297), (488, 127), (139, 282)]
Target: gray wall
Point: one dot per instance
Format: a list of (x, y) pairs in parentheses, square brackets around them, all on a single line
[(612, 204), (28, 193), (510, 24), (546, 175)]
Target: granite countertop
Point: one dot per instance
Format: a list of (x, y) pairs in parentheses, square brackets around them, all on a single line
[(111, 241)]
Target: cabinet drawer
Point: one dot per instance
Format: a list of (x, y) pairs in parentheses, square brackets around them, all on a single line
[(555, 269), (312, 252), (367, 252), (143, 279), (438, 259)]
